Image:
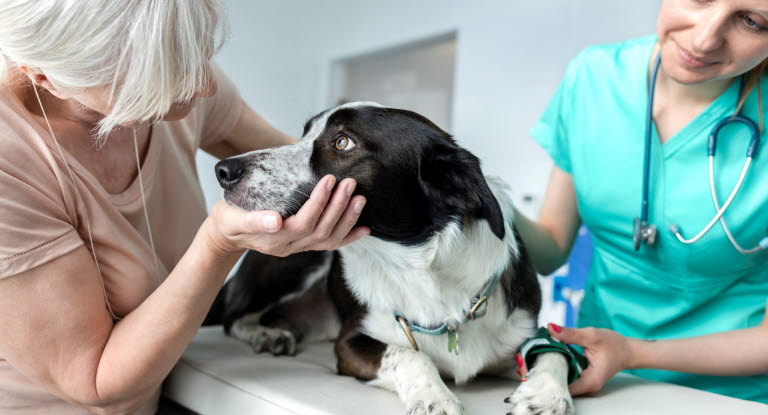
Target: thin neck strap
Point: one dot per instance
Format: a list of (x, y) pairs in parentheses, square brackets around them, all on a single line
[(85, 210)]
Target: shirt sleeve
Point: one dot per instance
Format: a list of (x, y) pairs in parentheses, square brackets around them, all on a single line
[(35, 225), (220, 112), (551, 131)]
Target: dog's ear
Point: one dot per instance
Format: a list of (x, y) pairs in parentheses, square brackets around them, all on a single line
[(453, 181)]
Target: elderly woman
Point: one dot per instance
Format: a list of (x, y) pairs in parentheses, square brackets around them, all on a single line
[(108, 263)]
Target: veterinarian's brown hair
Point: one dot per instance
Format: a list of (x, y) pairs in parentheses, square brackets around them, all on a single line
[(753, 79)]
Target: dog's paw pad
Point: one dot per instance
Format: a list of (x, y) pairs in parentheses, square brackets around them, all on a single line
[(276, 341), (541, 395), (439, 407), (266, 339)]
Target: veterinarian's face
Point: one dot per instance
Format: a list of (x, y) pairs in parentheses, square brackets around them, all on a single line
[(709, 40)]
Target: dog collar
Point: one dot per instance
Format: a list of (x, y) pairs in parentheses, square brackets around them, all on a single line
[(477, 309)]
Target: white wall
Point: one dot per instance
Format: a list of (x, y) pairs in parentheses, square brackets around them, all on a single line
[(510, 57)]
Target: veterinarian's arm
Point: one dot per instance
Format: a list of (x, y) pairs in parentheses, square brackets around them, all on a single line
[(251, 132), (549, 239), (57, 331), (732, 353)]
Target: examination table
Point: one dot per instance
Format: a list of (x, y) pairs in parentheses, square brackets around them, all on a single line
[(218, 375)]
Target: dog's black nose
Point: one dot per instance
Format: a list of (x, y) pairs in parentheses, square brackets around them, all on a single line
[(229, 172)]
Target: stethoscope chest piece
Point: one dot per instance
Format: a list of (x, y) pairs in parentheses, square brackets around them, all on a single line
[(643, 232)]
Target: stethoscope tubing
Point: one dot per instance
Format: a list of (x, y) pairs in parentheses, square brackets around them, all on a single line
[(647, 153), (717, 207), (711, 147), (720, 211)]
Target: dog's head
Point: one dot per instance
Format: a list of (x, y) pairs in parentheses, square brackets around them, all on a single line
[(415, 178)]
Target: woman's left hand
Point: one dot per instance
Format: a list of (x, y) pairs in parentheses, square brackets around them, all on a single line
[(608, 353)]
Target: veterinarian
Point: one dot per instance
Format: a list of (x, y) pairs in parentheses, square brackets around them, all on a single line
[(108, 267), (686, 313)]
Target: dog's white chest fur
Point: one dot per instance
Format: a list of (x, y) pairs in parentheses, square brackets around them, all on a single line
[(487, 344), (436, 281)]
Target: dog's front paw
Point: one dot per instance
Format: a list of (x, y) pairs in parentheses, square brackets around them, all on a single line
[(541, 394), (438, 407), (265, 339)]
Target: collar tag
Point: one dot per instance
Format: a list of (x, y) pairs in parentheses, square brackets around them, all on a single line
[(453, 342)]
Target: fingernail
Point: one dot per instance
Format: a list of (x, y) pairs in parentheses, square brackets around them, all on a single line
[(359, 206), (507, 400), (329, 184), (522, 380), (519, 360), (269, 222), (351, 188), (556, 328)]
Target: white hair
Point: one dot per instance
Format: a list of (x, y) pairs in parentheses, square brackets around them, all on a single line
[(150, 54)]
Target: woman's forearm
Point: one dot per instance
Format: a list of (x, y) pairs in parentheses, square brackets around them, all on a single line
[(546, 255), (732, 353), (550, 238), (144, 346)]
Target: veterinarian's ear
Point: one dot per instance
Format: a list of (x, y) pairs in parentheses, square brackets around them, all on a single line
[(451, 178)]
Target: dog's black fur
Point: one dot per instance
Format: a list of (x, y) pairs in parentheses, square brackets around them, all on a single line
[(416, 180)]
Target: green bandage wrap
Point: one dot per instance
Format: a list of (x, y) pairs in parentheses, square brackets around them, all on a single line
[(542, 342)]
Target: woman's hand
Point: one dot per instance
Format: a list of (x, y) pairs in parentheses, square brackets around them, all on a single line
[(608, 353), (324, 222)]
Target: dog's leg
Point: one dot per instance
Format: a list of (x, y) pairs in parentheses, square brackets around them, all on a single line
[(409, 373), (277, 341), (416, 380), (545, 391)]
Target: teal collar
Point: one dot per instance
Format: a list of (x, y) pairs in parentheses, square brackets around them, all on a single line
[(478, 309)]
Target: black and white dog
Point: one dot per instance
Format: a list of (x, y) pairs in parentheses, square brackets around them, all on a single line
[(441, 235)]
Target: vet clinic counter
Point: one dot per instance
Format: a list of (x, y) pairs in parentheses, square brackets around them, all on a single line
[(219, 375)]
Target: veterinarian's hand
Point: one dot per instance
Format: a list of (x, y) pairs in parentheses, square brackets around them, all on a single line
[(324, 222), (608, 353)]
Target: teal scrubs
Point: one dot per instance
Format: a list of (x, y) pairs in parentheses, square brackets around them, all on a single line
[(594, 128)]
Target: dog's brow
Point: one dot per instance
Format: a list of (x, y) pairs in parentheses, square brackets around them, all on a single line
[(311, 121)]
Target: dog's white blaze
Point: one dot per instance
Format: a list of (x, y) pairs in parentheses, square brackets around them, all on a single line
[(438, 280)]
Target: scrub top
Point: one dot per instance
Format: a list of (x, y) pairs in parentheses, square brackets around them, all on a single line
[(594, 129)]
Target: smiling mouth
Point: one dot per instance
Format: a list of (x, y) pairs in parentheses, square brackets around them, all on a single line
[(692, 61)]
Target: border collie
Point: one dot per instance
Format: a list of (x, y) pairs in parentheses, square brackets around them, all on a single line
[(442, 238)]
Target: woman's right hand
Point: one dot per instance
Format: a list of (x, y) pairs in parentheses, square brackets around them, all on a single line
[(324, 222)]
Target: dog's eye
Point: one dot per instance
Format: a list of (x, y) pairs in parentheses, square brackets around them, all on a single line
[(344, 143)]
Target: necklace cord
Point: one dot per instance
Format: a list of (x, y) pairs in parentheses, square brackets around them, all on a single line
[(144, 204), (85, 210)]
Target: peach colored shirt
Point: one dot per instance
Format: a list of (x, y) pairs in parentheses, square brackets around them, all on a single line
[(42, 217)]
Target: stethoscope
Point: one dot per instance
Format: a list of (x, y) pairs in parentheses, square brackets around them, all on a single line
[(643, 232)]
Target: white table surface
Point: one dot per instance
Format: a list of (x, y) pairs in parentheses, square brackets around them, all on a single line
[(219, 375)]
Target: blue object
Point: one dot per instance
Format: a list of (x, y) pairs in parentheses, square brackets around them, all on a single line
[(569, 288)]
